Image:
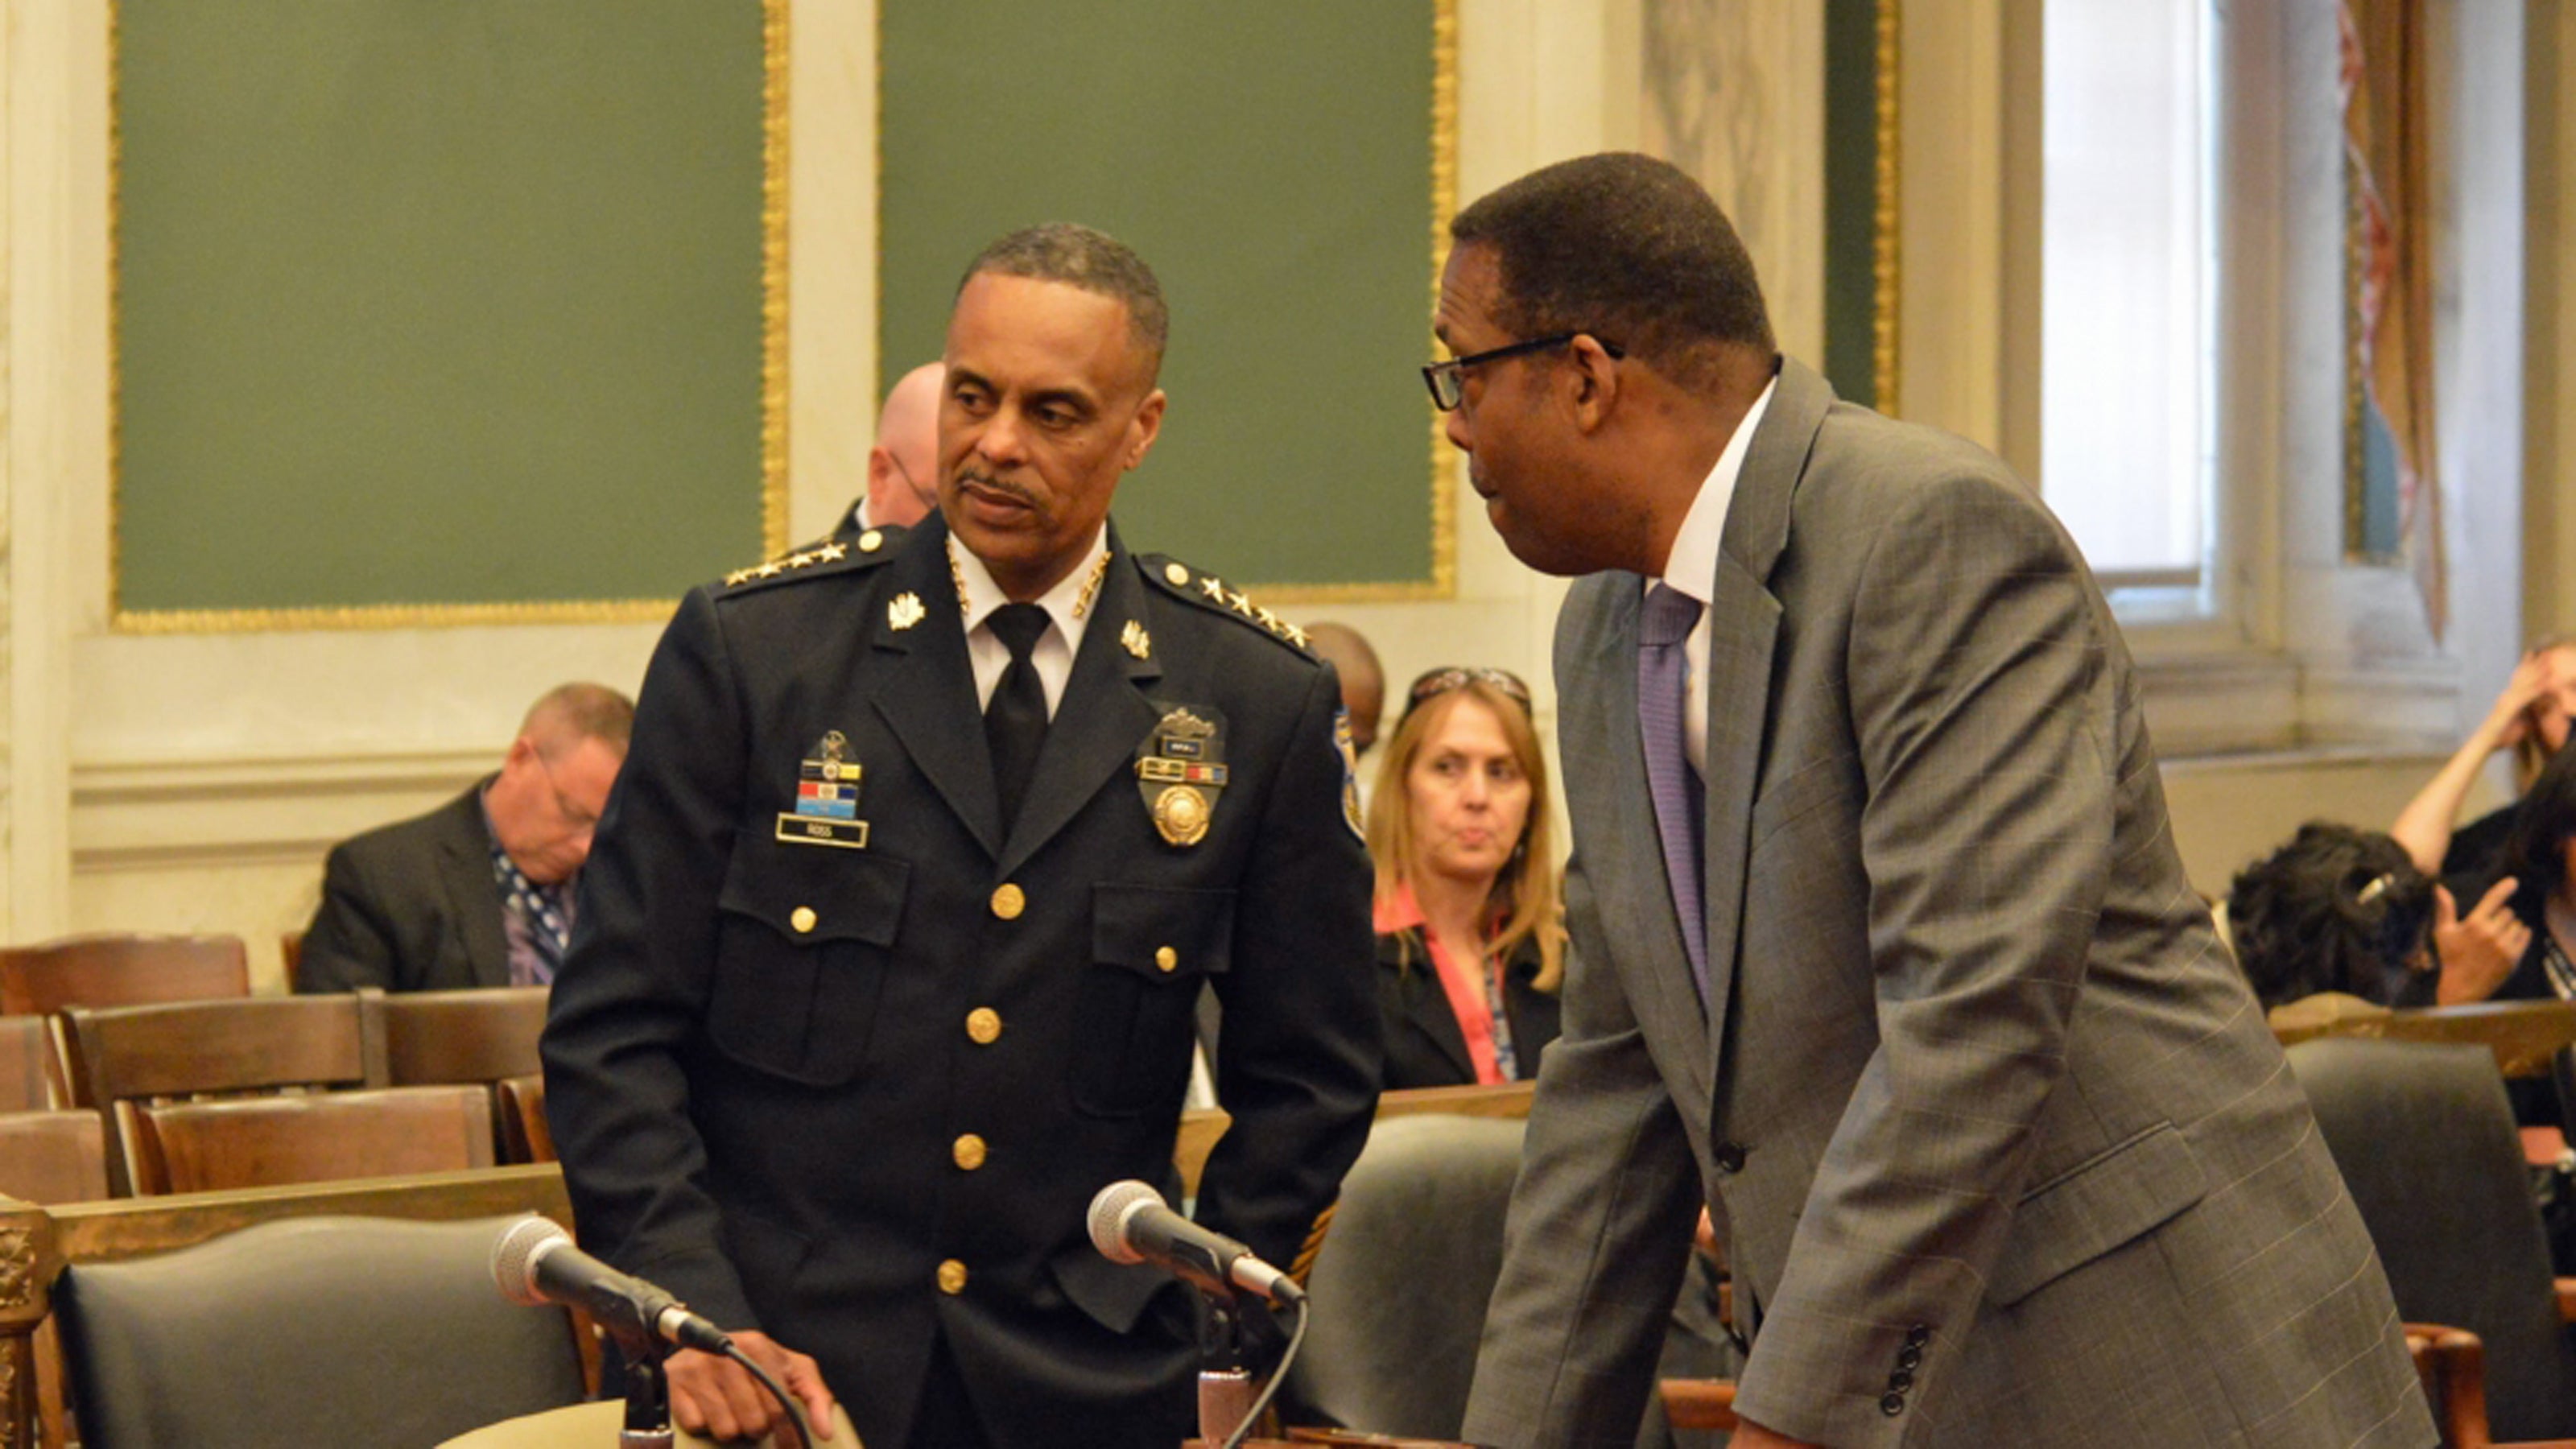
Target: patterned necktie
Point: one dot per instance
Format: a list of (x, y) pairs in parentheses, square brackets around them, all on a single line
[(1662, 693), (545, 912), (1015, 719)]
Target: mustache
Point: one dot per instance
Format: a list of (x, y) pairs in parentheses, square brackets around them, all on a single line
[(990, 484)]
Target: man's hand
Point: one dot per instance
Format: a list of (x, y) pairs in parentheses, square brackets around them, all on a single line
[(1750, 1435), (717, 1398), (2477, 953)]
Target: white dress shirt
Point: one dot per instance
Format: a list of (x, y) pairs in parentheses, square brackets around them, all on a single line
[(1055, 649), (1691, 568)]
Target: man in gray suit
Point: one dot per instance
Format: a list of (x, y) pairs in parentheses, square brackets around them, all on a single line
[(1937, 1031)]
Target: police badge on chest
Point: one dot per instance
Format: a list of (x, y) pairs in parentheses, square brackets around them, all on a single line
[(1180, 771)]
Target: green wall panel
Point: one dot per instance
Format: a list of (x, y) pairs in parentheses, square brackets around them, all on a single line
[(1274, 164), (436, 303)]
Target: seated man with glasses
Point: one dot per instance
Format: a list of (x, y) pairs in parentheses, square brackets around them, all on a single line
[(478, 892)]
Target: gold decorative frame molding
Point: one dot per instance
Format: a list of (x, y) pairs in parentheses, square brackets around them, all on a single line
[(773, 413), (1887, 241)]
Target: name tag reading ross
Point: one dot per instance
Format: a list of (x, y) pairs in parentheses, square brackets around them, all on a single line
[(809, 830)]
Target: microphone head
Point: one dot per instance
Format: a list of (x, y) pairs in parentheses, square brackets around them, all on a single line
[(1109, 1213), (515, 1255)]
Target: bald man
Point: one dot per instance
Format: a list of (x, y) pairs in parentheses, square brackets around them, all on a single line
[(902, 465)]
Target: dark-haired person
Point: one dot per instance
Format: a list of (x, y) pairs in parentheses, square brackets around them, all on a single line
[(2335, 912), (480, 891), (2531, 717), (892, 935), (1469, 942), (2536, 866), (1881, 948)]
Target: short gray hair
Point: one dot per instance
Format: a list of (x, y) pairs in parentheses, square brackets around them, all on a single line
[(1096, 262)]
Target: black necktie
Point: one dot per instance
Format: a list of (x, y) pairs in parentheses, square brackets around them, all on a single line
[(1015, 720)]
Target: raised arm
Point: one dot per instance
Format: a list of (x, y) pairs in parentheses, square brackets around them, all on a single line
[(2424, 826)]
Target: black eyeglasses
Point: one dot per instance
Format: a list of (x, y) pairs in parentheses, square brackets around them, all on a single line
[(1438, 682), (1447, 380)]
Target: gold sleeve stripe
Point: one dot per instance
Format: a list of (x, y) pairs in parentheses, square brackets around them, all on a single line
[(1305, 1264)]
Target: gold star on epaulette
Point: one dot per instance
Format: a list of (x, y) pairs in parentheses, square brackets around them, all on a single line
[(1296, 636), (738, 576), (832, 553), (1269, 620), (1237, 602), (1212, 586), (769, 570)]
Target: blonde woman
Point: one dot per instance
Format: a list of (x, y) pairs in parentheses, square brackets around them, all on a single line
[(1470, 944)]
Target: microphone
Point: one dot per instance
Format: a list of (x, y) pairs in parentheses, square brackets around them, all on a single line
[(1130, 1223), (535, 1263)]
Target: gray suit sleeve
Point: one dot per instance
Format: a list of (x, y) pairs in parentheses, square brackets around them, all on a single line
[(1600, 1222), (1980, 704)]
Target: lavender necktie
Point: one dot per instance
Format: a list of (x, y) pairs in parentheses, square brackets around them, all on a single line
[(1662, 684)]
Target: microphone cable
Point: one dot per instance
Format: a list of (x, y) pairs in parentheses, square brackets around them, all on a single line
[(796, 1415), (1270, 1390)]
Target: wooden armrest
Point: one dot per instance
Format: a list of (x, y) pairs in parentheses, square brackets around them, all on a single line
[(2566, 1299), (1699, 1403), (2453, 1365)]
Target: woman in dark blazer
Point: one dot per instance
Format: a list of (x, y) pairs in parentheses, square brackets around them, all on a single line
[(1470, 943)]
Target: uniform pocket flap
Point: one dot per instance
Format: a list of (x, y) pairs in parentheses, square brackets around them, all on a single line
[(809, 893), (1114, 1294), (1161, 931), (2095, 1206)]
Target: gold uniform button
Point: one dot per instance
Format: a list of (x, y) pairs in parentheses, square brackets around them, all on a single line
[(1166, 958), (969, 1152), (1176, 574), (1009, 900), (952, 1277), (871, 541), (802, 918), (984, 1025)]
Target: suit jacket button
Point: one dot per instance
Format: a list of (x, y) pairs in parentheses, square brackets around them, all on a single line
[(1009, 900), (1908, 1356), (952, 1277), (1919, 1335), (1730, 1158), (1900, 1381), (1891, 1404)]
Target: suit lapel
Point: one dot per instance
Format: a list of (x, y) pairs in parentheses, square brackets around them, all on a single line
[(1744, 625), (927, 695), (1426, 1006), (473, 896), (1623, 855), (1099, 721)]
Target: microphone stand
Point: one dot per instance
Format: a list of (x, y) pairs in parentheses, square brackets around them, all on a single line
[(648, 1396), (1226, 1390)]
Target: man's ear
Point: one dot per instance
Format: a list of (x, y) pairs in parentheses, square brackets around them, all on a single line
[(1146, 428), (1588, 383)]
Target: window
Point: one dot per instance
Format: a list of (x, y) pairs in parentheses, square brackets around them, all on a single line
[(2128, 258)]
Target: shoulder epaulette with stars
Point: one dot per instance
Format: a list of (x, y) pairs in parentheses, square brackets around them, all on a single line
[(1210, 592), (874, 546)]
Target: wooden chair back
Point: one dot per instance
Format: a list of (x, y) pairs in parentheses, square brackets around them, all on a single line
[(120, 970), (318, 1137), (480, 1035), (52, 1157), (124, 1056), (31, 1073), (525, 1136), (2523, 1035)]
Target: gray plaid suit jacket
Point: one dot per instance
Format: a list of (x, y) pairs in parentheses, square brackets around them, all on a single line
[(2000, 1145)]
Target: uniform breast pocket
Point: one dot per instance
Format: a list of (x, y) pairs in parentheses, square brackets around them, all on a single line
[(1152, 948), (804, 941)]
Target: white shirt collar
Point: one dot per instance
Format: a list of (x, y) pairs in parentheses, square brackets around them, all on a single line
[(1692, 565), (983, 595)]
